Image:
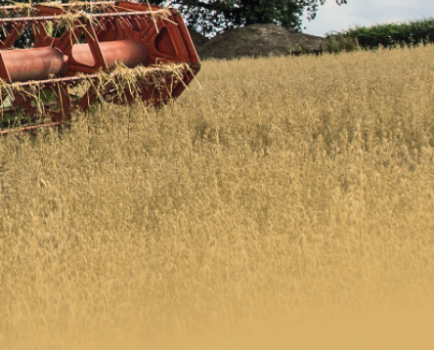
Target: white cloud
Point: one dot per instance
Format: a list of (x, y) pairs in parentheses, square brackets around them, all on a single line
[(332, 17)]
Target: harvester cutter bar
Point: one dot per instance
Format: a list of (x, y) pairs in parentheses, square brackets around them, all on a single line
[(29, 128), (43, 83), (68, 5), (36, 19), (113, 39)]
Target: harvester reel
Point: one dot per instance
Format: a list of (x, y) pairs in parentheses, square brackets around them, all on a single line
[(113, 51)]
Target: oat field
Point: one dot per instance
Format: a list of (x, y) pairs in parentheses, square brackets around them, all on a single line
[(278, 197)]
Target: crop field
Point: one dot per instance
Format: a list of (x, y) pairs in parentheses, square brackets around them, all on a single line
[(281, 200)]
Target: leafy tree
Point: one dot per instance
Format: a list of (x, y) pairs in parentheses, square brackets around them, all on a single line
[(209, 16)]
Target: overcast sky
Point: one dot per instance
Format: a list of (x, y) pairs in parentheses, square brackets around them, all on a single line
[(365, 13)]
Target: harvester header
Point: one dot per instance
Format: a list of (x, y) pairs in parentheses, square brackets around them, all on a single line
[(73, 54)]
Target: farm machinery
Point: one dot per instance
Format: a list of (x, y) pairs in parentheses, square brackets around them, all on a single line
[(58, 58)]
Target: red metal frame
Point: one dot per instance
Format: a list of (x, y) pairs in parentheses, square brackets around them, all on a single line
[(161, 32)]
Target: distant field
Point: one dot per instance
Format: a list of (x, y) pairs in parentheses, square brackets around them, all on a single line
[(281, 195)]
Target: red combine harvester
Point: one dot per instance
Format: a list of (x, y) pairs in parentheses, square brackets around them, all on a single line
[(79, 52)]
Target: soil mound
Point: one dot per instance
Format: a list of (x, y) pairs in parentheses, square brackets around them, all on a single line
[(198, 39), (260, 40)]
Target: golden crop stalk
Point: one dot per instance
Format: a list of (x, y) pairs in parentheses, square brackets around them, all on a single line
[(283, 194)]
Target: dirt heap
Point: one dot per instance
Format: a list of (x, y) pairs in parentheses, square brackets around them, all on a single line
[(260, 40), (198, 39)]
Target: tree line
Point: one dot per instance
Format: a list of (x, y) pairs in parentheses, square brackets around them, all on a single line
[(390, 35)]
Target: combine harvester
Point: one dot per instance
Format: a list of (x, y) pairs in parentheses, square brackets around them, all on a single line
[(81, 52)]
